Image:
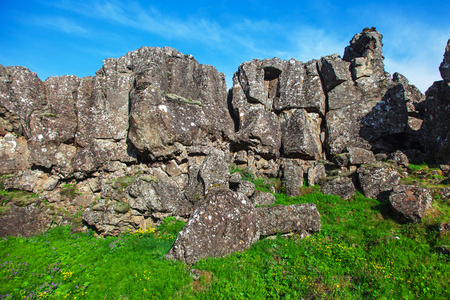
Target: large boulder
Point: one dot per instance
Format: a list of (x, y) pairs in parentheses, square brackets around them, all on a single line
[(21, 94), (301, 134), (264, 89), (223, 224), (175, 100), (285, 219), (158, 193), (153, 102), (340, 186), (410, 202), (292, 178), (227, 221), (377, 180), (366, 54)]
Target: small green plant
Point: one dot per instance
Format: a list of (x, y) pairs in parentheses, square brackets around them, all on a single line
[(69, 190)]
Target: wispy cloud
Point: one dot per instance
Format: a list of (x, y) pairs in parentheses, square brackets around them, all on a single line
[(60, 24), (414, 49)]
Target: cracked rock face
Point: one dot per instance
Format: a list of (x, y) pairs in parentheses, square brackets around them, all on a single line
[(148, 102)]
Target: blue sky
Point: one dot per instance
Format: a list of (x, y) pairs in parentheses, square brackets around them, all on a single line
[(54, 38)]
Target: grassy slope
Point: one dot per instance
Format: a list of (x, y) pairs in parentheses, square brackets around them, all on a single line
[(359, 253)]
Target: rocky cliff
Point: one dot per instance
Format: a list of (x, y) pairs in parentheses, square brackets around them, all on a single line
[(155, 131)]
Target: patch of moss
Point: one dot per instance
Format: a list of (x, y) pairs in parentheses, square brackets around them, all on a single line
[(19, 198), (121, 183), (149, 178), (180, 99), (120, 207), (69, 190)]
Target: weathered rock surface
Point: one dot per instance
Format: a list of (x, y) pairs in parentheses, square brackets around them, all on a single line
[(260, 198), (435, 130), (14, 154), (223, 224), (292, 178), (153, 101), (365, 54), (227, 222), (339, 186), (410, 202), (284, 219), (315, 173), (24, 221), (444, 68), (376, 180)]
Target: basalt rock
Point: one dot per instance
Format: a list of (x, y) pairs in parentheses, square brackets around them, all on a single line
[(223, 224), (410, 202), (377, 180), (227, 222), (435, 130), (147, 103), (444, 68), (292, 178), (14, 154), (340, 186), (164, 122)]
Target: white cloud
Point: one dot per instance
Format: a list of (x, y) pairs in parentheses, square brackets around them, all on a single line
[(60, 24)]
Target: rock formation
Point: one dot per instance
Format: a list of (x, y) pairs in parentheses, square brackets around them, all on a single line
[(154, 132)]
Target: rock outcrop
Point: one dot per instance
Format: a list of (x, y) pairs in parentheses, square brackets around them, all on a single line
[(154, 133)]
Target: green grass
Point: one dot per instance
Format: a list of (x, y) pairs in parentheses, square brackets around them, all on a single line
[(360, 253)]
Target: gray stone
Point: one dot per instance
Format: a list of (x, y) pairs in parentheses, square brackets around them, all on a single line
[(376, 180), (227, 222), (360, 156), (366, 54), (292, 178), (435, 131), (301, 134), (262, 198), (247, 188), (223, 224), (315, 174), (334, 71), (285, 219), (25, 181), (410, 202), (14, 154), (339, 186)]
